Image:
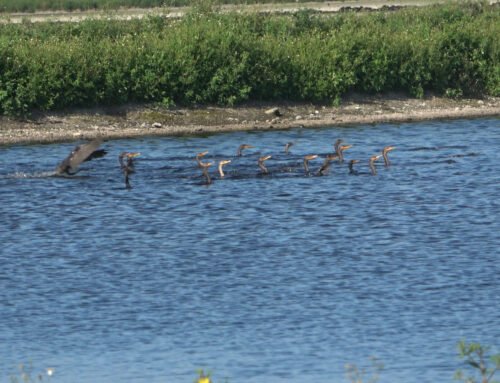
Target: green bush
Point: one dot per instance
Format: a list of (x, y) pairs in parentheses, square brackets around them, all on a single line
[(227, 59)]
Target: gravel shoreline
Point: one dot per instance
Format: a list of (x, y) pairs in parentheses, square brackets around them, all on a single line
[(142, 121)]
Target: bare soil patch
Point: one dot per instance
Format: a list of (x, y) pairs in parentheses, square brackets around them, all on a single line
[(151, 120)]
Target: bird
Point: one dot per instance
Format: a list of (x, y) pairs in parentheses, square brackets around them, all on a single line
[(127, 167), (199, 156), (340, 151), (242, 147), (288, 146), (351, 166), (81, 153), (204, 166), (371, 163), (261, 163), (337, 145), (221, 164), (306, 161), (384, 154), (326, 164)]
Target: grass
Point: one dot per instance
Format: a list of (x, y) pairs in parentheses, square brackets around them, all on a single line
[(226, 59), (72, 5)]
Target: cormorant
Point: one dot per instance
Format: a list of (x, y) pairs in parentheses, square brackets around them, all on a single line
[(306, 161), (351, 166), (221, 164), (241, 148), (337, 145), (326, 164), (261, 163), (372, 163), (340, 151), (198, 158), (128, 167), (205, 166), (81, 153), (288, 146), (386, 150)]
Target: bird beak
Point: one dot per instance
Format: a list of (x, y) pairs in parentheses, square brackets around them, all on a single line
[(133, 155)]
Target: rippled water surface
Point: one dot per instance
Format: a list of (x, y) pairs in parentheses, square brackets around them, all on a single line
[(277, 278)]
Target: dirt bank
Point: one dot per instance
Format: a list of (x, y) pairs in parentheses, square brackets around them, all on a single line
[(134, 121), (175, 12)]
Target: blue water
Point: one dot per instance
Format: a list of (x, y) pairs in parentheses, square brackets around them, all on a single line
[(277, 278)]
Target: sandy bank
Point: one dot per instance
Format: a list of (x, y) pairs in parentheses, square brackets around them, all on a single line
[(134, 121)]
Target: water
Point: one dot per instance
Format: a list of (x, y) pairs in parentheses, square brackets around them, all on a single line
[(279, 278)]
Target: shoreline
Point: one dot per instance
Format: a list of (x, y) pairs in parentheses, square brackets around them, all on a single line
[(147, 121)]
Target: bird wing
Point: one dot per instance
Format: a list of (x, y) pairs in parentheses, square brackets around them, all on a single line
[(82, 152), (78, 155)]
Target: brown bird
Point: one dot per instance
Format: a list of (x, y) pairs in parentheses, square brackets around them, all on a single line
[(340, 151), (386, 150), (204, 166), (221, 164), (326, 164), (337, 145), (372, 164), (288, 146), (242, 147), (351, 166), (81, 153), (128, 167), (306, 161), (199, 156), (261, 164)]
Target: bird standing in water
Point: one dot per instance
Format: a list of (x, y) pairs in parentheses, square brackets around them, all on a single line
[(261, 164), (306, 161), (386, 150), (79, 154), (242, 147), (127, 167), (371, 163)]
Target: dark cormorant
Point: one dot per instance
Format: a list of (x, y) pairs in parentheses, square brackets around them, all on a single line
[(351, 166), (306, 161), (371, 163), (326, 164), (221, 164), (288, 146), (386, 150), (241, 148), (261, 163), (81, 153), (127, 167)]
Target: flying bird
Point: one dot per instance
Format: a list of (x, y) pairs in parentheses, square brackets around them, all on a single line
[(81, 153)]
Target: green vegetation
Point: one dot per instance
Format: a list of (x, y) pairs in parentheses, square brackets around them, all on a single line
[(474, 355), (226, 59), (72, 5)]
